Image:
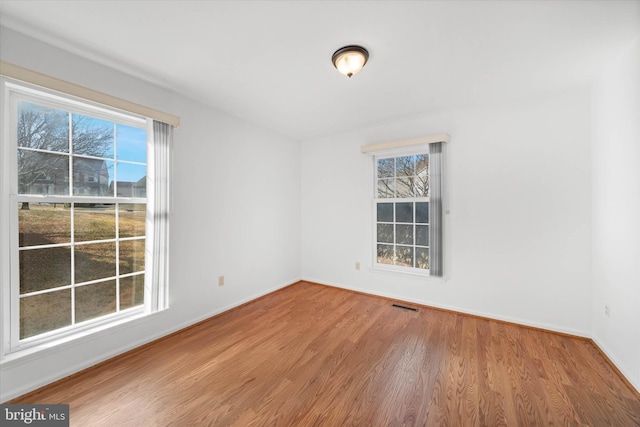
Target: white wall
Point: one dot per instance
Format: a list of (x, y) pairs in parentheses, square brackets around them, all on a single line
[(236, 213), (616, 212), (517, 237)]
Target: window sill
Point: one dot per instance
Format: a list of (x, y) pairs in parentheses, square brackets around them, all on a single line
[(91, 333), (407, 272)]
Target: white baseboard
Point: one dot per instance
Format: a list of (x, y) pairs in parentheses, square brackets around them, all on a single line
[(478, 313), (615, 362)]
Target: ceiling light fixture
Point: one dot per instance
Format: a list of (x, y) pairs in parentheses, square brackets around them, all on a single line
[(349, 60)]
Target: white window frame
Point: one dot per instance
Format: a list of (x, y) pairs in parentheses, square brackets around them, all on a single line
[(387, 154), (11, 345)]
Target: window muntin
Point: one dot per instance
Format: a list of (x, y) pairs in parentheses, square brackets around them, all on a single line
[(79, 212), (402, 212)]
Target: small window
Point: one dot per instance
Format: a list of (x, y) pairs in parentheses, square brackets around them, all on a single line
[(405, 232), (402, 211)]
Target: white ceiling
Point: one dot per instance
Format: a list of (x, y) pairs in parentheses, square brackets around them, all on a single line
[(268, 62)]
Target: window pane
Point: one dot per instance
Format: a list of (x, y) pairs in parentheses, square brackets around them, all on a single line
[(405, 166), (422, 235), (386, 188), (421, 185), (44, 312), (132, 180), (422, 175), (43, 173), (42, 128), (43, 224), (422, 212), (95, 300), (422, 164), (385, 212), (92, 137), (404, 234), (404, 256), (132, 144), (405, 187), (94, 222), (386, 168), (92, 177), (95, 261), (422, 258), (404, 212), (44, 269), (131, 256), (385, 254), (385, 233), (131, 291), (132, 219)]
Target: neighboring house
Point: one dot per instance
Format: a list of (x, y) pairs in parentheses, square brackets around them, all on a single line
[(131, 189), (51, 181), (90, 176)]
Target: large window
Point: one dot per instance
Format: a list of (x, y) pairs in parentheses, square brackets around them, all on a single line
[(78, 214), (407, 216)]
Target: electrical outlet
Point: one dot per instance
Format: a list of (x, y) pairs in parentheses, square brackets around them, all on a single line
[(606, 310), (357, 265), (220, 280)]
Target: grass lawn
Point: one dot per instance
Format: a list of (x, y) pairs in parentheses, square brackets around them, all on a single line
[(50, 268)]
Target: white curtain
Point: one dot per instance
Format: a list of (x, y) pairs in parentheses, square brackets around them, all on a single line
[(435, 209), (159, 199)]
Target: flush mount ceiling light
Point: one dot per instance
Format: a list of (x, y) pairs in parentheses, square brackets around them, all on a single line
[(349, 60)]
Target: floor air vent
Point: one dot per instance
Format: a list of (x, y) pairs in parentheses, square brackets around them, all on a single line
[(404, 307)]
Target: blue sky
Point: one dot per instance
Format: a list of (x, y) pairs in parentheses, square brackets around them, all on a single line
[(132, 143)]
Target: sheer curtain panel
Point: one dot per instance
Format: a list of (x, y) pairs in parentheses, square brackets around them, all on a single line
[(160, 149), (435, 209)]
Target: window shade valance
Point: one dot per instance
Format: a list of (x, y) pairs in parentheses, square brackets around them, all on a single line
[(43, 80), (404, 143)]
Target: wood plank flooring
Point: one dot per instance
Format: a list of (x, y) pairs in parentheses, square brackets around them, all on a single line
[(311, 355)]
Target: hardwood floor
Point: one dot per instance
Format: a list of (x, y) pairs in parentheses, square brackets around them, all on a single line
[(311, 355)]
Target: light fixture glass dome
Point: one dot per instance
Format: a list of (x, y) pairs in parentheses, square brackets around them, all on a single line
[(349, 60)]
